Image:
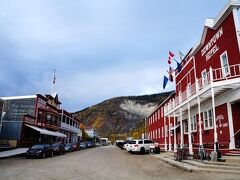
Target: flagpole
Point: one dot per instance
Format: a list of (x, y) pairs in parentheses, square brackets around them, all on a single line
[(54, 79)]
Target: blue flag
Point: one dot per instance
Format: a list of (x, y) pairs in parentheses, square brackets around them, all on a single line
[(179, 66), (165, 80)]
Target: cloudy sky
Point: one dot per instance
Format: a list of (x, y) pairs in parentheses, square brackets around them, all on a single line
[(99, 48)]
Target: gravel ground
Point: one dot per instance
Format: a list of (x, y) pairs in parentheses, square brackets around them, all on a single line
[(103, 163)]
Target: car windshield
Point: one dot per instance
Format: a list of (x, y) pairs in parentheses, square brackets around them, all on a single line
[(55, 144), (69, 144), (132, 142), (38, 146)]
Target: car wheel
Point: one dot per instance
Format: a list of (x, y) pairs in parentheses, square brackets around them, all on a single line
[(43, 155), (142, 150)]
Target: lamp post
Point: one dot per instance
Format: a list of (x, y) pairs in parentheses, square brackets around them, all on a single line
[(145, 129)]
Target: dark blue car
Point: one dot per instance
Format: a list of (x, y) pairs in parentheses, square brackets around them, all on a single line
[(40, 151)]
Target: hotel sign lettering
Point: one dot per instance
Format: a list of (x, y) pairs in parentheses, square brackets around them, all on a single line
[(211, 47)]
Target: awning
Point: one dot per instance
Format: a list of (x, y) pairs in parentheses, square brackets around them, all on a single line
[(175, 127), (47, 132)]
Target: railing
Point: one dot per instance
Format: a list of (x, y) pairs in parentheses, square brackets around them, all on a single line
[(213, 75)]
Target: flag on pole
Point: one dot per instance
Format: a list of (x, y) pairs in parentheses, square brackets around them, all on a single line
[(170, 72), (54, 76), (165, 80), (179, 66), (170, 56), (181, 55)]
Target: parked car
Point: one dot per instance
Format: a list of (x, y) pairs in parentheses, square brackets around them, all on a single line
[(97, 144), (119, 143), (40, 151), (69, 147), (58, 148), (90, 144), (83, 145), (76, 146), (125, 144), (141, 145)]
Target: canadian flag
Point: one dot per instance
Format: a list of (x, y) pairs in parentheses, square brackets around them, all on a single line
[(170, 56)]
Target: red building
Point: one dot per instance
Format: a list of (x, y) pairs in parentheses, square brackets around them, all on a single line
[(37, 119), (205, 108)]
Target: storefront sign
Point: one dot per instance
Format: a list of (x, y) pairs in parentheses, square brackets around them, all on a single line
[(211, 47), (28, 120)]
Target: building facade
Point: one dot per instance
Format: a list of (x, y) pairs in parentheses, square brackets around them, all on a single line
[(70, 125), (205, 108), (32, 119)]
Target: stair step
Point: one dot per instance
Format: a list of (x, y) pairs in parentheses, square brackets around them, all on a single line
[(232, 154)]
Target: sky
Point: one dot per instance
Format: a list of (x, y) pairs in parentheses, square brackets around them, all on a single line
[(100, 48)]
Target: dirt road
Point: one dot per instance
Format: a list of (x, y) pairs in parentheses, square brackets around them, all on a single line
[(103, 163)]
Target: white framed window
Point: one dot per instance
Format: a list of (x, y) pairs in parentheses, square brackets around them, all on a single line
[(162, 111), (159, 133), (224, 64), (159, 114), (193, 124), (162, 132), (208, 119), (204, 77)]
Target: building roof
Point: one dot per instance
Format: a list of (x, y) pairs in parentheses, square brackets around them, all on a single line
[(167, 99), (214, 23), (18, 97)]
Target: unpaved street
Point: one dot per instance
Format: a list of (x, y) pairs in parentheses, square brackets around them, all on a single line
[(103, 163)]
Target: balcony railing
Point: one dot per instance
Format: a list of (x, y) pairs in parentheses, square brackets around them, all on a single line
[(213, 75)]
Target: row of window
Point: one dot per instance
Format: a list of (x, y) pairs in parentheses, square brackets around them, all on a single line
[(207, 120), (224, 65), (53, 119), (157, 133), (70, 122), (155, 116), (48, 118)]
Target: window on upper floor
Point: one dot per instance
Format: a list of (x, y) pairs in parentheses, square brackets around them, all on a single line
[(162, 111), (49, 118), (40, 116), (73, 124), (204, 77), (64, 119), (224, 64), (208, 119)]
